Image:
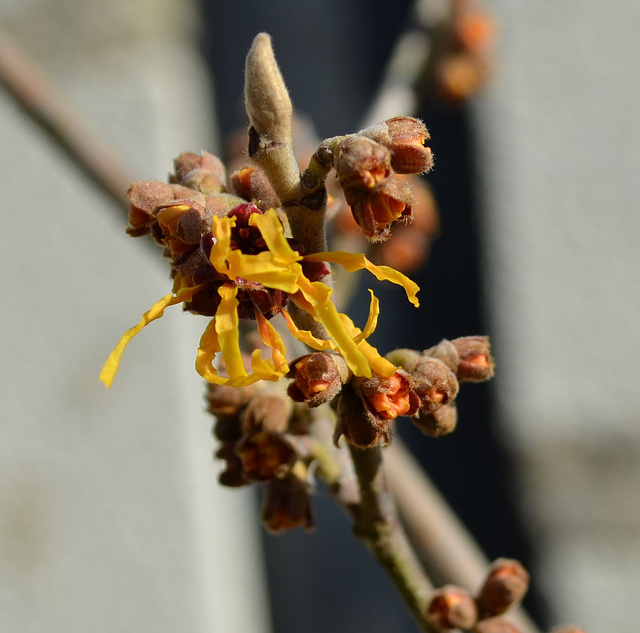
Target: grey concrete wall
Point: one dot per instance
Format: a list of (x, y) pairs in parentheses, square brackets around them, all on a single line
[(111, 519), (560, 155)]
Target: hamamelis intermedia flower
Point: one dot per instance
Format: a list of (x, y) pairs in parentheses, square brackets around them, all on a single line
[(271, 266)]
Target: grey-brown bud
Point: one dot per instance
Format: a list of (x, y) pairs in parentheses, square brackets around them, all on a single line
[(434, 383), (505, 586), (439, 423), (286, 505), (451, 608), (361, 162), (475, 363), (317, 378)]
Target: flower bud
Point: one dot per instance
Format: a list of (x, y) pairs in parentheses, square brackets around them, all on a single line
[(376, 210), (434, 383), (475, 363), (269, 411), (286, 505), (505, 586), (252, 184), (233, 474), (495, 625), (265, 455), (439, 423), (205, 173), (388, 398), (409, 153), (446, 352), (316, 378), (359, 427), (566, 629), (451, 608), (361, 162), (228, 401)]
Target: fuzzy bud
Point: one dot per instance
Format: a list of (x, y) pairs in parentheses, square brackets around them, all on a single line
[(228, 401), (495, 625), (451, 608), (434, 383), (269, 411), (359, 427), (265, 455), (505, 586), (316, 378), (205, 173), (439, 423), (475, 363), (361, 162), (251, 183), (388, 398), (446, 352), (409, 153), (286, 505)]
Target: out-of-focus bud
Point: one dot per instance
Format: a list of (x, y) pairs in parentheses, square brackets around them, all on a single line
[(446, 352), (376, 210), (144, 198), (451, 608), (316, 378), (265, 455), (233, 474), (496, 625), (287, 504), (361, 162), (434, 383), (252, 184), (409, 153), (268, 411), (566, 629), (388, 398), (475, 363), (439, 423), (359, 427), (205, 173), (460, 76), (228, 401), (505, 586)]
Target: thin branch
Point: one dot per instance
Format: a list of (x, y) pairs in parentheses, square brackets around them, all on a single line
[(446, 548), (40, 100), (376, 523)]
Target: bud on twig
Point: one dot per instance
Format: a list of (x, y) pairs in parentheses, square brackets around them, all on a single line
[(388, 398), (451, 608), (475, 363), (286, 505), (505, 586), (357, 424), (317, 378), (434, 383), (205, 173), (439, 423)]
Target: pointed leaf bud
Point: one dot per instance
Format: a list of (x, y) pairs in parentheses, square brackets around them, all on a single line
[(505, 586), (451, 608)]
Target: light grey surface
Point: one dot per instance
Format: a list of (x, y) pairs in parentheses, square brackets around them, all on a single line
[(111, 519), (560, 157)]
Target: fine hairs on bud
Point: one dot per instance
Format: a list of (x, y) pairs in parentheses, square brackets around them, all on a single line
[(267, 100)]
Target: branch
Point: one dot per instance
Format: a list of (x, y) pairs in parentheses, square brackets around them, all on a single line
[(39, 99)]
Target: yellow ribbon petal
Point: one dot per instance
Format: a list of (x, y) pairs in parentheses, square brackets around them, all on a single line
[(264, 268), (110, 368), (305, 336), (270, 337), (372, 319), (357, 261), (272, 232), (226, 324), (221, 228)]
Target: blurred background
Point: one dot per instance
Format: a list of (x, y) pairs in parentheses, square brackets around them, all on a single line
[(111, 518)]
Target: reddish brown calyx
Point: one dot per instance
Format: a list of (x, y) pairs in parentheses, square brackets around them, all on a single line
[(389, 398), (316, 379)]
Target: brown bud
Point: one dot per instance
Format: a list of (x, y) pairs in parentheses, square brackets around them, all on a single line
[(434, 383), (375, 211), (439, 423), (316, 378), (269, 411), (182, 225), (252, 184), (265, 455), (227, 428), (286, 505), (361, 162), (495, 625), (228, 401), (409, 153), (388, 398), (205, 173), (475, 363), (451, 608), (233, 475), (446, 352), (505, 586), (357, 424)]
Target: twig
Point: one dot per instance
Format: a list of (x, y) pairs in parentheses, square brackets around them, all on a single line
[(40, 100), (446, 548), (376, 523)]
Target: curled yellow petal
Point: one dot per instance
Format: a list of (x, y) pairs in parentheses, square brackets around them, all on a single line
[(305, 336), (270, 337), (226, 325), (372, 319), (264, 268), (272, 232), (357, 261), (110, 368), (221, 228)]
